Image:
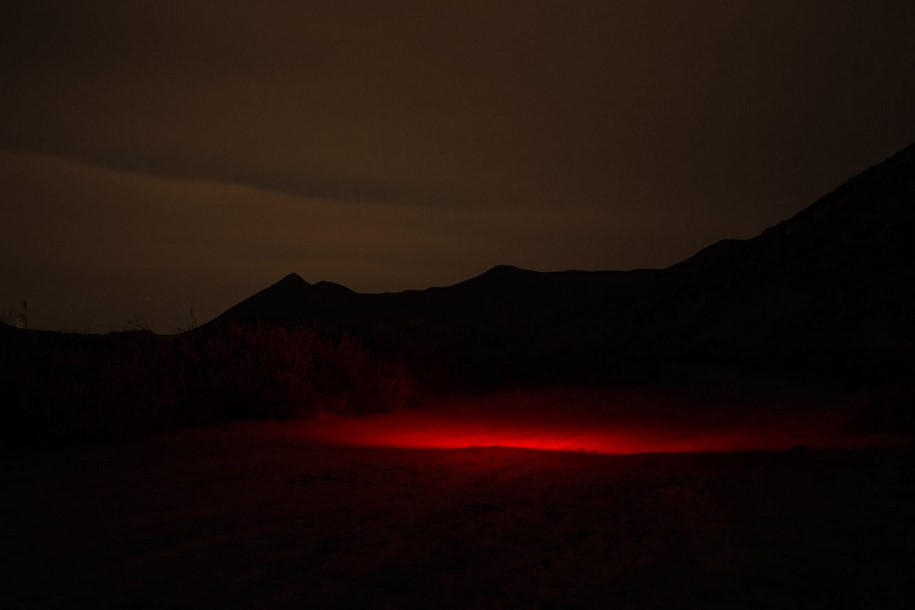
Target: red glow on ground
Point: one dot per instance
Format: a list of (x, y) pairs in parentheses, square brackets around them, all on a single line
[(543, 424)]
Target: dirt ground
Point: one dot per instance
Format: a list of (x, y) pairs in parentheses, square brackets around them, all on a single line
[(254, 516)]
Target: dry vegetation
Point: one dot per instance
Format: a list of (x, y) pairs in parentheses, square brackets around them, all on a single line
[(59, 387)]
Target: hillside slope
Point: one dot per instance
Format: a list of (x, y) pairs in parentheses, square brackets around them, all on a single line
[(833, 284)]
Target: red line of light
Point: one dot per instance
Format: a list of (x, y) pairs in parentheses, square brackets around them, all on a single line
[(473, 428)]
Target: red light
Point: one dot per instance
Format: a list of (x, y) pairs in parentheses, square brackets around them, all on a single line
[(540, 425)]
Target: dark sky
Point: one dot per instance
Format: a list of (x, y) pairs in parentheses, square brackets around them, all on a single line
[(161, 155)]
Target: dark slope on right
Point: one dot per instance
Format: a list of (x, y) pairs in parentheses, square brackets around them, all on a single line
[(863, 227), (836, 278)]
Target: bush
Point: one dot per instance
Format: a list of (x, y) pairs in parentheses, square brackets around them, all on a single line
[(264, 371), (83, 387)]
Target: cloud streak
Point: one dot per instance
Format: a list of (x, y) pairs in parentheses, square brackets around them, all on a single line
[(449, 136)]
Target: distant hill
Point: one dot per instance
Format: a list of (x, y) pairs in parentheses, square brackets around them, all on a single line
[(818, 308), (831, 288)]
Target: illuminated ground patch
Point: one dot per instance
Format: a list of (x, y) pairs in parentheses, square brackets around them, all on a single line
[(545, 423)]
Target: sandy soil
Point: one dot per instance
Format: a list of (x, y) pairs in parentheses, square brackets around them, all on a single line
[(253, 515)]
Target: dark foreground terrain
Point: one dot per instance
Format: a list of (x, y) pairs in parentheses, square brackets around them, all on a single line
[(251, 515)]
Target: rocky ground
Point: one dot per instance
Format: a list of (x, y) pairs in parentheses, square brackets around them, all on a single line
[(251, 515)]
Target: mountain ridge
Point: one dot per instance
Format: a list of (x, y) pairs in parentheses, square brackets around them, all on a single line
[(833, 281)]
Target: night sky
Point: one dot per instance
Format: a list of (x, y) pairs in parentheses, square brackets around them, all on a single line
[(156, 156)]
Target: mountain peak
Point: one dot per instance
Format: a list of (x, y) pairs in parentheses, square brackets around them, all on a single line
[(500, 272), (291, 279), (499, 275), (504, 269)]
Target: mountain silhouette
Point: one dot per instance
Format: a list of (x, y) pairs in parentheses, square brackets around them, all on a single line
[(831, 286), (819, 306), (292, 299)]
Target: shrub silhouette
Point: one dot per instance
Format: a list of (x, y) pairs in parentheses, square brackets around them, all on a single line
[(61, 387), (263, 371)]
